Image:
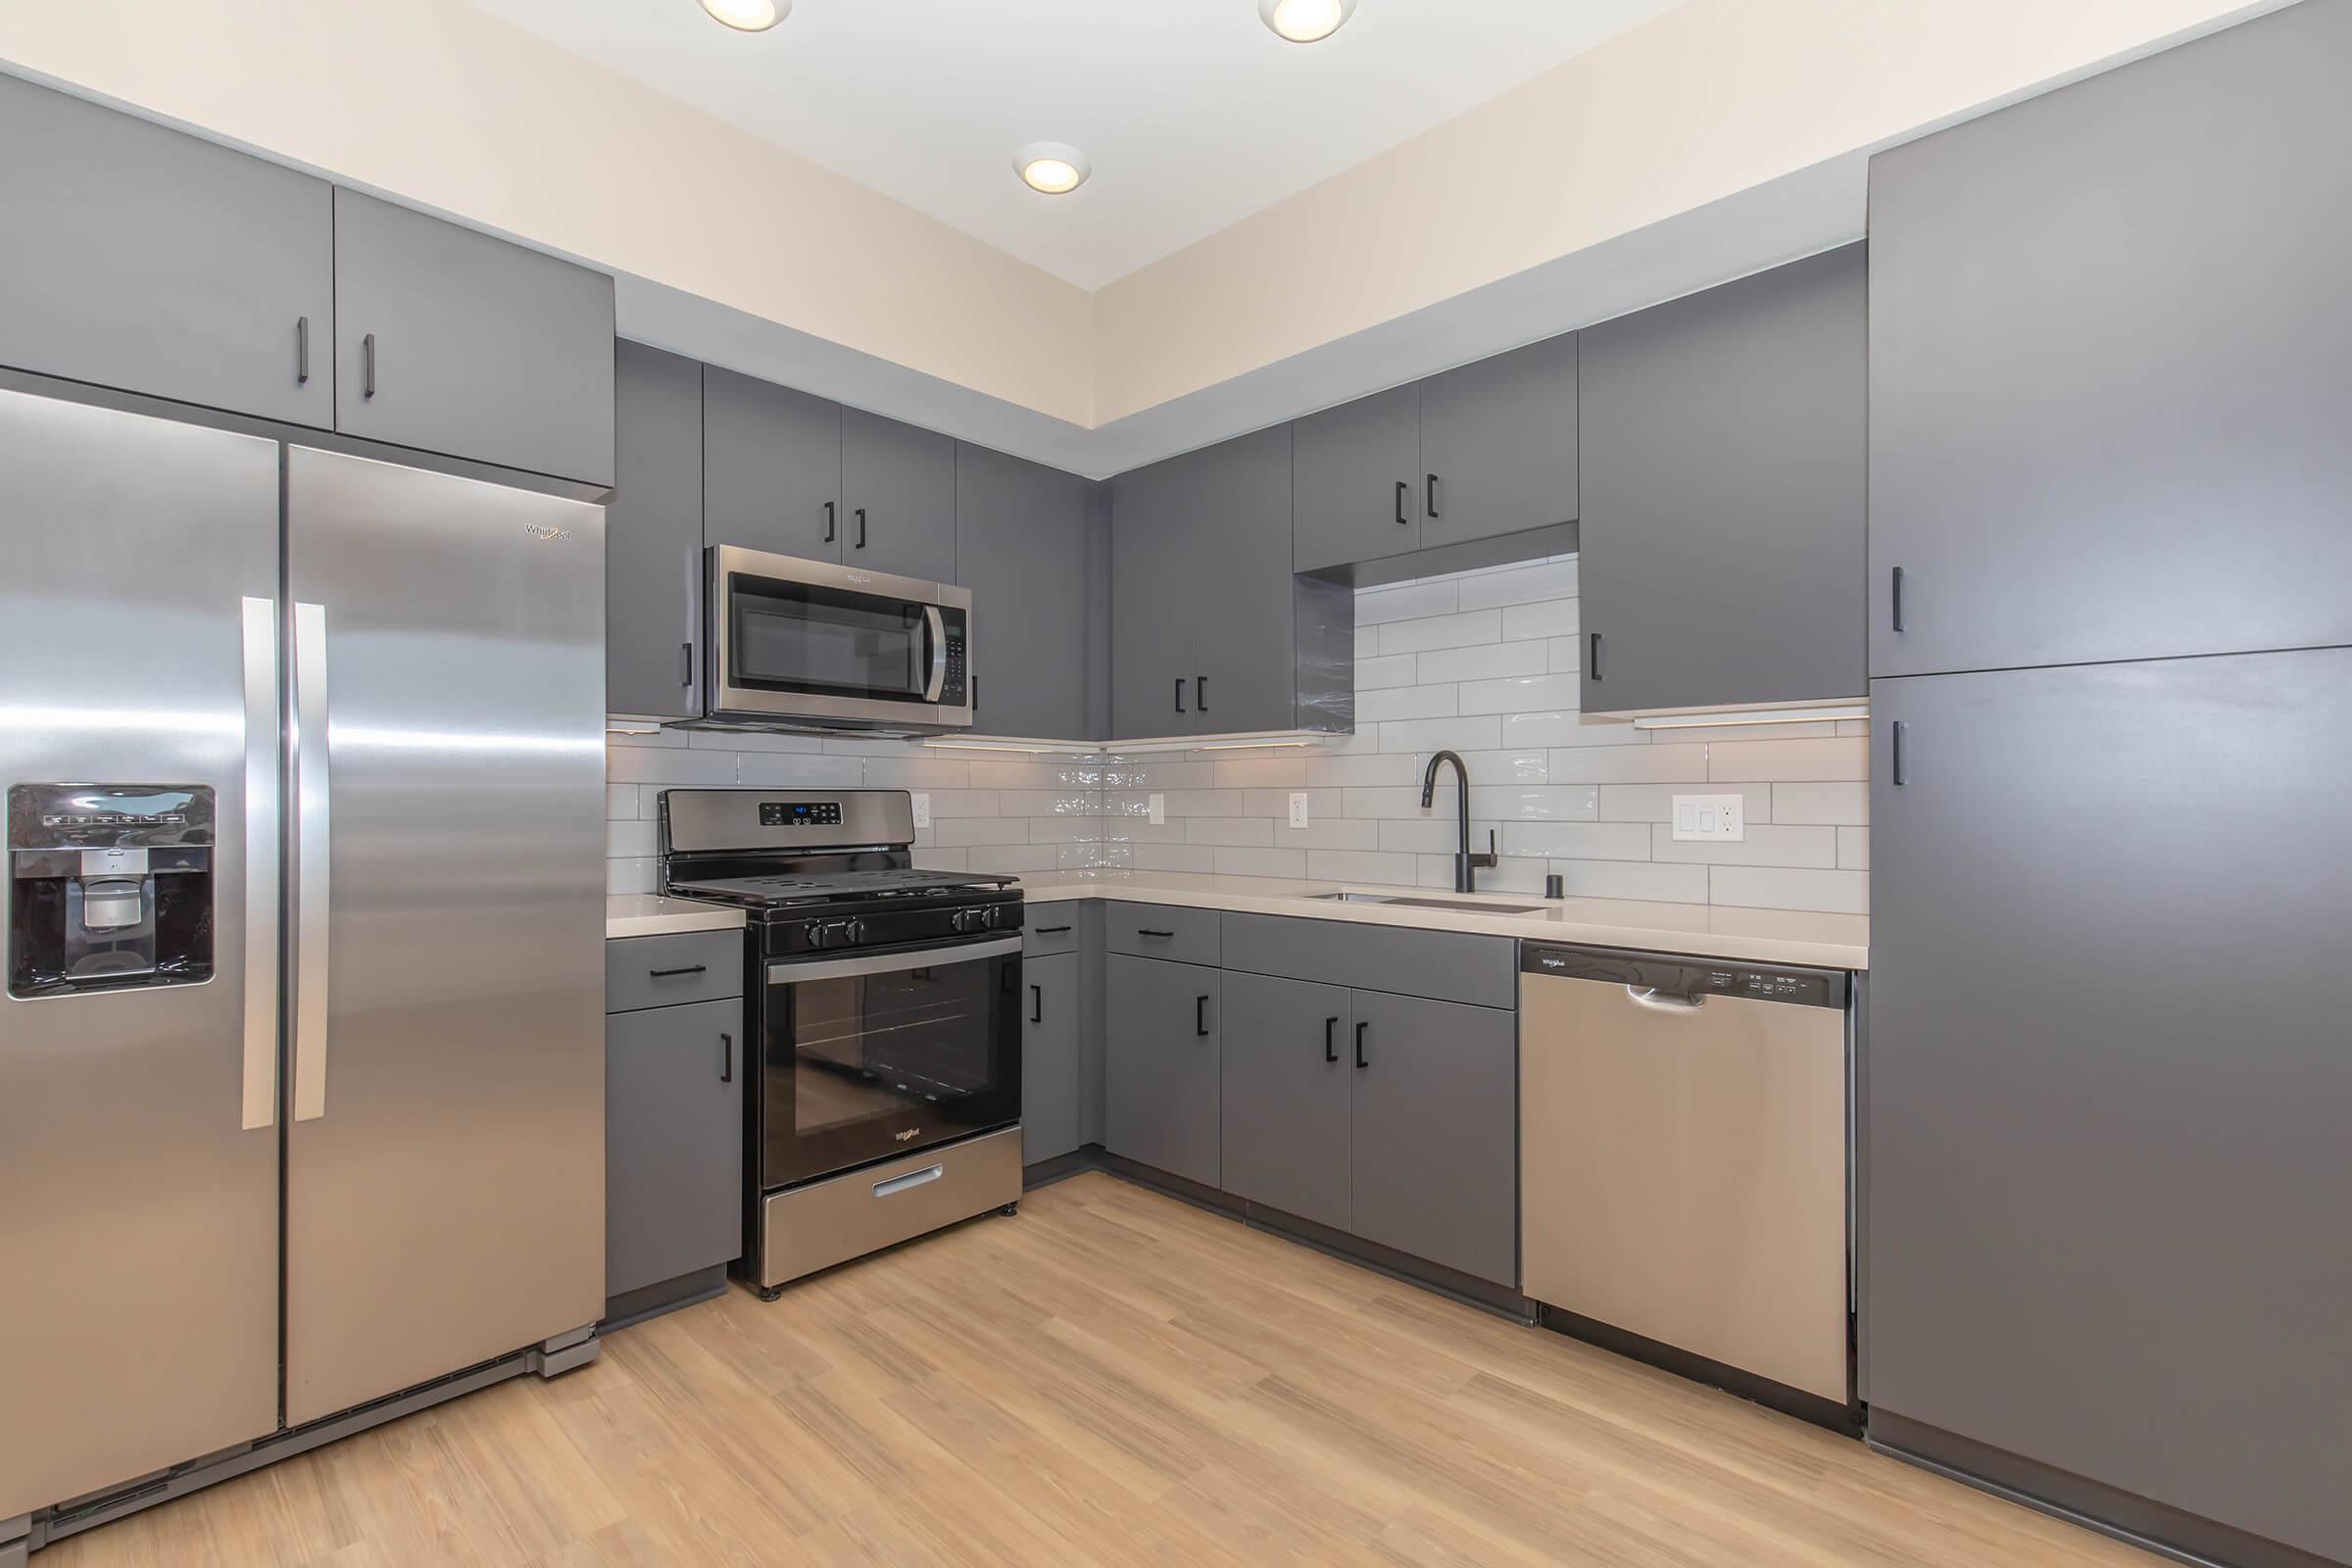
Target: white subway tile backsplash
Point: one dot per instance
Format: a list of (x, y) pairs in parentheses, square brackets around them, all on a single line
[(1400, 801), (1407, 600), (1554, 580), (1362, 866), (1654, 803), (1630, 764), (1565, 655), (964, 803), (1629, 879), (1432, 835), (1286, 771), (645, 764), (629, 838), (1481, 734), (1549, 618), (630, 876), (962, 832), (780, 770), (1560, 802), (1233, 830), (1405, 702), (1838, 805), (1174, 858), (1260, 862), (620, 802), (1338, 771), (1578, 841), (1330, 833), (1517, 694), (1853, 849), (1376, 673), (1838, 761), (1442, 631), (1780, 888), (1489, 662), (1764, 845)]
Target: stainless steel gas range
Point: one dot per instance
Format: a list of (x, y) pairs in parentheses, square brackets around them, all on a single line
[(884, 1007)]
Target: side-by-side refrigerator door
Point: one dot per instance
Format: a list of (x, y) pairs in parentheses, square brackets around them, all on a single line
[(139, 1022), (445, 1156)]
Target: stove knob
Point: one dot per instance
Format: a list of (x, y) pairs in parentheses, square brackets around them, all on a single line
[(966, 920), (853, 932), (989, 916)]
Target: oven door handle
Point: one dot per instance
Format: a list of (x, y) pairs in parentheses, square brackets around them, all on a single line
[(935, 637), (789, 971)]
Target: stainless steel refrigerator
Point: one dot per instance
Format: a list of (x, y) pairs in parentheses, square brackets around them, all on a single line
[(300, 1050)]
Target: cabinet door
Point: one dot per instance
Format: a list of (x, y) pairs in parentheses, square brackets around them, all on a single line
[(448, 340), (1051, 1086), (1021, 549), (1499, 444), (2108, 346), (1240, 588), (134, 256), (1285, 1096), (653, 536), (1160, 1065), (898, 494), (771, 468), (673, 1142), (1723, 534), (1437, 1132), (2107, 1076), (1152, 616), (1357, 490)]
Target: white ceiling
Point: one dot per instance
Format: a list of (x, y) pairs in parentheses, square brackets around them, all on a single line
[(1193, 113)]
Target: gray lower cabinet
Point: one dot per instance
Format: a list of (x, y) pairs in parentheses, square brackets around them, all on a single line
[(138, 257), (1722, 536), (653, 536), (451, 341), (1357, 490), (673, 1142), (1161, 1066), (1022, 544), (898, 496), (1053, 1066), (1499, 444), (771, 468), (1287, 1118), (2108, 347), (1436, 1113), (2108, 1078)]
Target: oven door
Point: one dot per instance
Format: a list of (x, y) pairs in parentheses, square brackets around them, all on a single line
[(871, 1056), (807, 639)]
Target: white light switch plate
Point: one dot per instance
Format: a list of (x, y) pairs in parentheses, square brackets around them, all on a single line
[(922, 810), (1298, 807), (1159, 810), (1711, 818)]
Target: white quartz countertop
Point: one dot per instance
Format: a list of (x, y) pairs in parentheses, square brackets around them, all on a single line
[(1771, 936), (645, 914)]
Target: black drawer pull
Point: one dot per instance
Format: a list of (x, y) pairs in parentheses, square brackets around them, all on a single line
[(1201, 1017), (1401, 487), (1037, 1003), (1361, 1059), (1895, 595), (1201, 693), (1180, 694), (685, 663), (1433, 495), (726, 1071), (663, 974), (829, 528), (861, 527), (302, 351), (368, 365), (1141, 932), (1331, 1045), (1593, 658), (1051, 930), (1902, 774)]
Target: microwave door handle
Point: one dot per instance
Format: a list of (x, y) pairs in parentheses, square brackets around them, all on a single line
[(935, 639)]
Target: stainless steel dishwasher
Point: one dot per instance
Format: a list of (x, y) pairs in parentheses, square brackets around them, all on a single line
[(1683, 1162)]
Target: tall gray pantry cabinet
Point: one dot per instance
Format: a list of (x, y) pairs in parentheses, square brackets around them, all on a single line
[(2107, 1076)]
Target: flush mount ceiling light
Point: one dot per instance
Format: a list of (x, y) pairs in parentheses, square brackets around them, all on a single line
[(1050, 166), (749, 15), (1305, 20)]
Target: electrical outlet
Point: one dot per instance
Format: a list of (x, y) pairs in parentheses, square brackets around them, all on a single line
[(1298, 807), (922, 810), (1159, 805), (1711, 818)]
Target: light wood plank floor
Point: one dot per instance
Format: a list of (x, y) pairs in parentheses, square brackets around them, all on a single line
[(1112, 1376)]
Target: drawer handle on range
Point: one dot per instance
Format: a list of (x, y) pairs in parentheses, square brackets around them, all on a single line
[(692, 968), (1051, 930), (914, 1178), (1647, 997)]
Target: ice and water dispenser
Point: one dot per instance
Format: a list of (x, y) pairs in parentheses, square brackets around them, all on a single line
[(110, 886)]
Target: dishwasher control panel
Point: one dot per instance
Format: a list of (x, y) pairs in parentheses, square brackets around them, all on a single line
[(1685, 976)]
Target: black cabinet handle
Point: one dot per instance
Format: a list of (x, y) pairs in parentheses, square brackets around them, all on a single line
[(1141, 932), (302, 351), (1433, 495), (1180, 694), (1401, 519), (1201, 693), (368, 365), (1051, 930), (830, 530), (861, 527), (1201, 1017), (1592, 657), (1037, 1003), (1362, 1060), (1901, 775), (727, 1070), (663, 974), (685, 663), (1331, 1043), (1894, 596)]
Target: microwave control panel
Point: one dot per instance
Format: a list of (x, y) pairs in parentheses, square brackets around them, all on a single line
[(951, 689)]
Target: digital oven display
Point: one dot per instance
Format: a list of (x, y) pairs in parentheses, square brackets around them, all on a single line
[(800, 813)]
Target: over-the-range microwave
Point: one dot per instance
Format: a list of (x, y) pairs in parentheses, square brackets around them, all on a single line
[(797, 644)]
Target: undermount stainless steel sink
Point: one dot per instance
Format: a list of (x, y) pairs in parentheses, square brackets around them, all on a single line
[(1464, 906)]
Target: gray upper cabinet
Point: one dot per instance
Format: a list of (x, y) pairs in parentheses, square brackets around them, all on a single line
[(1358, 486), (2108, 346), (673, 1142), (897, 497), (771, 468), (1287, 1123), (1238, 588), (140, 257), (1436, 1139), (1499, 444), (1723, 533), (2108, 1075), (451, 341), (1161, 1066), (1152, 566), (1022, 546), (653, 536), (1052, 1064)]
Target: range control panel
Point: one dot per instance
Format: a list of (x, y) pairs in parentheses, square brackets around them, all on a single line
[(800, 813)]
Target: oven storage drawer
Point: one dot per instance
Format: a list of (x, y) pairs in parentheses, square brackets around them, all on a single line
[(658, 972), (1162, 931), (1053, 928), (831, 1222)]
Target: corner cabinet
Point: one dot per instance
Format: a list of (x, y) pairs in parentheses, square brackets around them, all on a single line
[(1212, 634), (653, 536), (897, 497), (1023, 541), (1723, 534)]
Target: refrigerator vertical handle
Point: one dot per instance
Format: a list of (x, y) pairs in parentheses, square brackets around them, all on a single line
[(935, 632), (260, 1093), (310, 861)]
